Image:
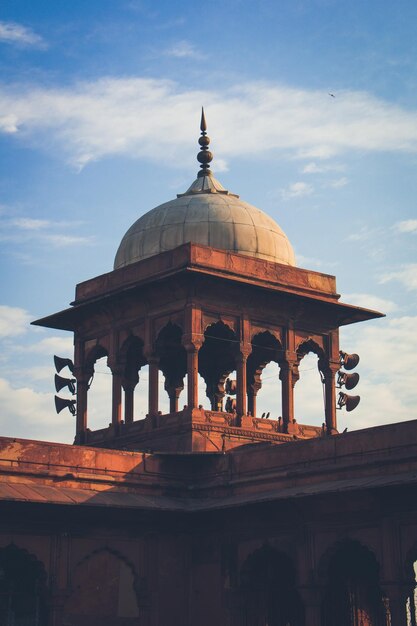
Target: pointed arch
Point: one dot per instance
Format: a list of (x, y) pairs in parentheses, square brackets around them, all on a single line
[(94, 354), (172, 361), (23, 587), (217, 359), (350, 573), (410, 567), (309, 345), (268, 589), (104, 584), (132, 357), (266, 348)]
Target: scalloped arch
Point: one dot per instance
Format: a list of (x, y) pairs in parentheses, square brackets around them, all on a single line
[(94, 354), (32, 558), (220, 324), (122, 557), (309, 345), (272, 333), (346, 543)]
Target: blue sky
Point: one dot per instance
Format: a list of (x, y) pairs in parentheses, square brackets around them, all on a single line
[(99, 114)]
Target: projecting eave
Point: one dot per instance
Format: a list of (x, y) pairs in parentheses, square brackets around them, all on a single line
[(307, 291), (335, 313), (63, 320)]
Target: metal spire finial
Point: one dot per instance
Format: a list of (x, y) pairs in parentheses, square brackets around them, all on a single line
[(204, 156)]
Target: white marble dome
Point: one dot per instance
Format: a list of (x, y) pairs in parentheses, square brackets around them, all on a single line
[(209, 215)]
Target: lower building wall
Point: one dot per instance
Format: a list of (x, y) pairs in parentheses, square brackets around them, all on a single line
[(231, 567)]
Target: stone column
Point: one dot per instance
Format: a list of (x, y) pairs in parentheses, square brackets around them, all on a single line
[(192, 345), (397, 596), (153, 385), (241, 379), (116, 413), (253, 392), (173, 390), (82, 376), (129, 389), (329, 374), (311, 598), (288, 375)]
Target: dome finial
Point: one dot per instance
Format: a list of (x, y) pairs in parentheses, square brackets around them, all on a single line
[(204, 156)]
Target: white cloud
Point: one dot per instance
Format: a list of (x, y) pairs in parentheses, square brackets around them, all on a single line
[(27, 413), (407, 276), (61, 241), (20, 35), (8, 124), (406, 226), (150, 118), (365, 234), (27, 223), (369, 301), (338, 183), (296, 190), (13, 321), (387, 369), (22, 230), (322, 168), (63, 346), (388, 362), (183, 49)]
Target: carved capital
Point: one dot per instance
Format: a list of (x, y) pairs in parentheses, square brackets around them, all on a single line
[(83, 374), (288, 368), (192, 342), (151, 356), (115, 366), (244, 351), (328, 368)]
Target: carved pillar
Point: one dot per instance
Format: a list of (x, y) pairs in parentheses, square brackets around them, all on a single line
[(241, 379), (253, 392), (397, 605), (312, 605), (288, 375), (329, 373), (173, 389), (192, 345), (216, 391), (192, 340), (153, 384), (82, 376), (116, 413), (129, 389)]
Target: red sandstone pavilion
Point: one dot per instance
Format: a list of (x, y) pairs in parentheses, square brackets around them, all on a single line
[(209, 516)]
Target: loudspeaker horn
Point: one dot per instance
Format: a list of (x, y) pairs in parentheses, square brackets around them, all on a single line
[(349, 361), (348, 380), (60, 404), (60, 363), (349, 402), (61, 382)]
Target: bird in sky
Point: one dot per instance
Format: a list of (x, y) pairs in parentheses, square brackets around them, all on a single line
[(332, 95)]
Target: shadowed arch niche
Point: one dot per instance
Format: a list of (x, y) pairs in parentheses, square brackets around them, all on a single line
[(133, 358), (99, 387), (23, 591), (266, 350), (268, 593), (411, 584), (353, 596), (172, 362), (217, 360), (105, 592)]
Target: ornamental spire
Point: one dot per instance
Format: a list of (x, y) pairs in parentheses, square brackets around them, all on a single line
[(204, 156)]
